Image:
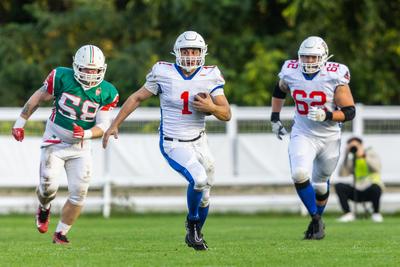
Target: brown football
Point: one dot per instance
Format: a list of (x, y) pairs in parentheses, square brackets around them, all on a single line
[(202, 95)]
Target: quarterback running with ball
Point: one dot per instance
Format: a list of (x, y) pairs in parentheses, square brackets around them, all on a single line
[(323, 101), (82, 101), (188, 91)]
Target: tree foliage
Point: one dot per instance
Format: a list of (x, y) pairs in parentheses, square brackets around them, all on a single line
[(248, 40)]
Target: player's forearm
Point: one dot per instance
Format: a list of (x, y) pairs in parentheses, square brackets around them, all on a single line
[(222, 113), (127, 108), (33, 103), (97, 132), (277, 104), (345, 114), (338, 116)]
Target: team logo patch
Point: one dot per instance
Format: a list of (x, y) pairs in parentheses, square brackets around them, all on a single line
[(98, 91)]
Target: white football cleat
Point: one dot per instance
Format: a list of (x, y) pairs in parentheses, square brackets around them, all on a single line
[(348, 217), (376, 217)]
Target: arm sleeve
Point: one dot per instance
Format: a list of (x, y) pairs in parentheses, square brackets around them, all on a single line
[(151, 81)]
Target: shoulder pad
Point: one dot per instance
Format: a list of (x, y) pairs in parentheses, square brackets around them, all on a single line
[(164, 63), (288, 67), (338, 71)]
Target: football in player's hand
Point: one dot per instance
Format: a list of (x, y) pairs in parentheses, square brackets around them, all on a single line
[(203, 95)]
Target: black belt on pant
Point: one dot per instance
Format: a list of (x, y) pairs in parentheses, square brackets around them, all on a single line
[(166, 138)]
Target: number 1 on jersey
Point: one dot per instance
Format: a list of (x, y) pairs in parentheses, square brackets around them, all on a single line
[(185, 98)]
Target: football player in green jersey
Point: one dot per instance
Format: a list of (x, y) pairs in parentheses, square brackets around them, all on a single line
[(82, 101)]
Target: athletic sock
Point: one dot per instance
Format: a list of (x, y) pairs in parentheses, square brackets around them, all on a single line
[(203, 213), (307, 195), (193, 202), (45, 206), (320, 209), (63, 228)]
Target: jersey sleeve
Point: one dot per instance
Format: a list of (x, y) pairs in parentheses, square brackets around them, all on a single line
[(219, 82), (112, 100), (288, 67), (151, 80), (343, 75), (53, 82)]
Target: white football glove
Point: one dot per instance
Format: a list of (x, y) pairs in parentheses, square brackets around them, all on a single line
[(278, 129), (316, 114)]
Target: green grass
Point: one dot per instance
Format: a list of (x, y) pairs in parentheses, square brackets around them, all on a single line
[(234, 240)]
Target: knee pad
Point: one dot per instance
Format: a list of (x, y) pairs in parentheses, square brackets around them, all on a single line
[(199, 176), (46, 194), (77, 194), (78, 189), (47, 189), (200, 183), (205, 200), (300, 175), (321, 190)]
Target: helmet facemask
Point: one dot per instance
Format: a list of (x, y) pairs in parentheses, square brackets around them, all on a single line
[(313, 46), (190, 63), (310, 68), (192, 40), (88, 58)]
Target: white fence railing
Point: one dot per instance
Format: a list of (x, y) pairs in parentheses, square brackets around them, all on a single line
[(241, 158)]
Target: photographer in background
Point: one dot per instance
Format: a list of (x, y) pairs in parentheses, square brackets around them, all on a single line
[(367, 185)]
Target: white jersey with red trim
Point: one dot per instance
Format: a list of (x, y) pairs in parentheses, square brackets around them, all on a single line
[(176, 91), (318, 91)]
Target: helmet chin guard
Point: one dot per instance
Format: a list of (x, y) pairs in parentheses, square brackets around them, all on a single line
[(190, 39), (87, 59), (313, 46)]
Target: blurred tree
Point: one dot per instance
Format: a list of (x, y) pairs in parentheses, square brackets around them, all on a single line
[(248, 40)]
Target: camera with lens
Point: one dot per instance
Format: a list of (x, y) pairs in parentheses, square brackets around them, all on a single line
[(353, 149)]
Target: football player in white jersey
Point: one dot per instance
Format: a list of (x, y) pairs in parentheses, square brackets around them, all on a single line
[(323, 101), (188, 91)]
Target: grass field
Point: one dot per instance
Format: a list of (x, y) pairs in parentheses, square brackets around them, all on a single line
[(234, 240)]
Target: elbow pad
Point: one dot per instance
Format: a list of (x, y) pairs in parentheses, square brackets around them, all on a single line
[(278, 93), (349, 112)]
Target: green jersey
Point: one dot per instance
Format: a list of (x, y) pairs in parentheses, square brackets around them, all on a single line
[(73, 104)]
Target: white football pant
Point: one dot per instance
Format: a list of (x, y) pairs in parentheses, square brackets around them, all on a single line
[(77, 162), (193, 160), (313, 159)]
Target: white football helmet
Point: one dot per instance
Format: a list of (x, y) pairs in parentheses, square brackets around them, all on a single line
[(89, 57), (190, 39), (313, 46)]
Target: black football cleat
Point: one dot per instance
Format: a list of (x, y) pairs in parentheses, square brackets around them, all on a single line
[(316, 229), (202, 246), (59, 238), (193, 237)]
